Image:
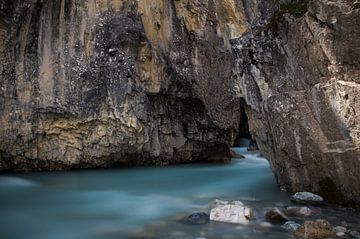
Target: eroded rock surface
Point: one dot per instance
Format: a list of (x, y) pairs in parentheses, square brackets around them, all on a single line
[(96, 83), (299, 71)]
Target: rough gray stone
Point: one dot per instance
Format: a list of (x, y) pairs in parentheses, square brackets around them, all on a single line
[(307, 198), (299, 211), (290, 226)]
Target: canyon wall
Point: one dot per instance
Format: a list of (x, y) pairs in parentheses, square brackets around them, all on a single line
[(299, 71), (97, 83)]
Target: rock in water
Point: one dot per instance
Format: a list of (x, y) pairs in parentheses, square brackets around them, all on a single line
[(354, 234), (290, 226), (315, 230), (299, 211), (234, 154), (198, 218), (307, 198), (340, 229), (276, 216), (233, 212)]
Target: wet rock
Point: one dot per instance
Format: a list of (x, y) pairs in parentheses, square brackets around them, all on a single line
[(299, 211), (218, 202), (234, 154), (234, 212), (354, 234), (307, 198), (315, 230), (276, 216), (198, 218), (290, 226), (340, 229)]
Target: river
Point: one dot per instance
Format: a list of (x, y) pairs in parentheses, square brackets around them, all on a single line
[(140, 202)]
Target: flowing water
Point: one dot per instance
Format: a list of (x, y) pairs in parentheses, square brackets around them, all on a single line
[(141, 202)]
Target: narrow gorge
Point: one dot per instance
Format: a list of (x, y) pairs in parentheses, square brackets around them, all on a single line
[(100, 84)]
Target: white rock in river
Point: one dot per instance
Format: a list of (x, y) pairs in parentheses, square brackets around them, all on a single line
[(307, 198), (234, 212)]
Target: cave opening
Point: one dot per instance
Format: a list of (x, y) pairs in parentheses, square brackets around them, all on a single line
[(244, 137)]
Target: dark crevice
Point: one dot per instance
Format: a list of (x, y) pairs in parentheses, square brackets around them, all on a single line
[(244, 131)]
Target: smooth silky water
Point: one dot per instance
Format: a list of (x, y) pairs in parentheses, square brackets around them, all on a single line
[(139, 202)]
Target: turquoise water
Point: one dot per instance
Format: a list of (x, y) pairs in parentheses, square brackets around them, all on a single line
[(136, 202)]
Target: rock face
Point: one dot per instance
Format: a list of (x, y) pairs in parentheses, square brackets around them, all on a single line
[(299, 71), (96, 83)]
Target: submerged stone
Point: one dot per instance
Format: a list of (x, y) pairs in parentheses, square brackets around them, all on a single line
[(299, 211), (276, 216), (198, 218)]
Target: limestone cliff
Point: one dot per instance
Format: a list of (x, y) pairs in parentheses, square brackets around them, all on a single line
[(96, 83)]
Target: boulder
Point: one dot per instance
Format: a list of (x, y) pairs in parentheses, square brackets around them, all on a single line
[(299, 211), (307, 198), (315, 230), (276, 216), (234, 212), (290, 226)]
